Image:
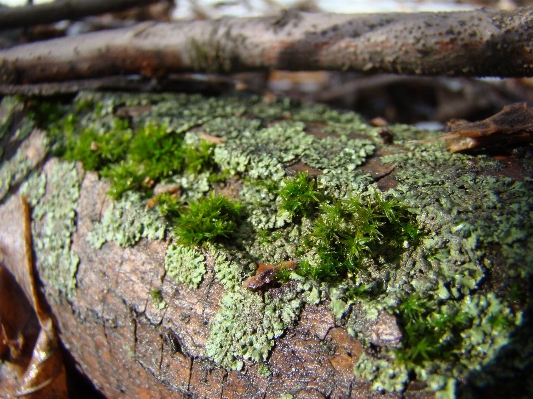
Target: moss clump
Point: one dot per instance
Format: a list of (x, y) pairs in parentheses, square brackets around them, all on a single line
[(97, 149), (348, 231), (431, 331), (299, 196), (185, 265), (154, 153), (207, 219), (438, 334), (156, 295)]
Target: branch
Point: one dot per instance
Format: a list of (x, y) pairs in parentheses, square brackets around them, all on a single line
[(475, 43), (15, 17)]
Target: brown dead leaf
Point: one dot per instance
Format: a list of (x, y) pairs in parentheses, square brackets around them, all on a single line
[(265, 275), (33, 366), (513, 125)]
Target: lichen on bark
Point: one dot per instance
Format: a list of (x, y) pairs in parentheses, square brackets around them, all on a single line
[(464, 224)]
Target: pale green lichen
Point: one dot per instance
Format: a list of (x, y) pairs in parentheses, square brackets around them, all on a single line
[(185, 265), (13, 171), (126, 221), (34, 187), (230, 267), (247, 324), (54, 224)]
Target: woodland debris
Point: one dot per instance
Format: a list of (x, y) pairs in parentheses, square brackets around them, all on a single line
[(510, 127), (484, 42), (23, 16)]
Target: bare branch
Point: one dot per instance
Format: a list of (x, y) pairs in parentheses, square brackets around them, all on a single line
[(23, 16), (474, 43)]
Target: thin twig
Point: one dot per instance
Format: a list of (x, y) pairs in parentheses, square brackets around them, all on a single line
[(23, 16)]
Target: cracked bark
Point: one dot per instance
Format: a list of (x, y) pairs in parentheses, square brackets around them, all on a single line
[(475, 43), (131, 349)]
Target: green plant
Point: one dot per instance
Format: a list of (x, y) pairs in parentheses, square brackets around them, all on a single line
[(95, 150), (207, 219), (283, 274), (299, 196), (168, 205), (157, 151), (431, 331), (347, 231), (124, 177)]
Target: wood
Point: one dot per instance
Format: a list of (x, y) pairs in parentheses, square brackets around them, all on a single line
[(24, 16), (483, 42)]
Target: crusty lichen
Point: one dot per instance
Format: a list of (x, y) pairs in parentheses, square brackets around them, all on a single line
[(13, 171), (247, 324), (55, 223), (126, 221), (466, 226), (185, 265)]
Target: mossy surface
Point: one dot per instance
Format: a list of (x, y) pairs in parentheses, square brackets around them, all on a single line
[(429, 251)]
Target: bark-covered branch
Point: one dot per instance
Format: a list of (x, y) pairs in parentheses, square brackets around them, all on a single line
[(15, 17), (475, 43)]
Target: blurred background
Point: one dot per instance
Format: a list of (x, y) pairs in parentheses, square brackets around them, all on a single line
[(426, 102)]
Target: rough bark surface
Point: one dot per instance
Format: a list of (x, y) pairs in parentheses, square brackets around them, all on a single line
[(476, 43), (131, 349)]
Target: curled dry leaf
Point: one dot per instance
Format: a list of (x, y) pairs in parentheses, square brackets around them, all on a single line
[(266, 274), (33, 366), (513, 125)]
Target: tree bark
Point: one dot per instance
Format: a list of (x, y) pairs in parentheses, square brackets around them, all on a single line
[(484, 42), (23, 16)]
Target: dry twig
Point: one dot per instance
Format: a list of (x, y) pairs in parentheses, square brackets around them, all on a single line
[(475, 43)]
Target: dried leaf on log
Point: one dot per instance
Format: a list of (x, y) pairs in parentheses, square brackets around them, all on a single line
[(31, 347)]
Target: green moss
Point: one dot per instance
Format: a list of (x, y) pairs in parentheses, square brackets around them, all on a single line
[(52, 235), (207, 219), (348, 232), (156, 295), (298, 196), (126, 221), (185, 265), (95, 149)]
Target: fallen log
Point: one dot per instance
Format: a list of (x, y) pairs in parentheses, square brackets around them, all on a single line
[(436, 299)]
